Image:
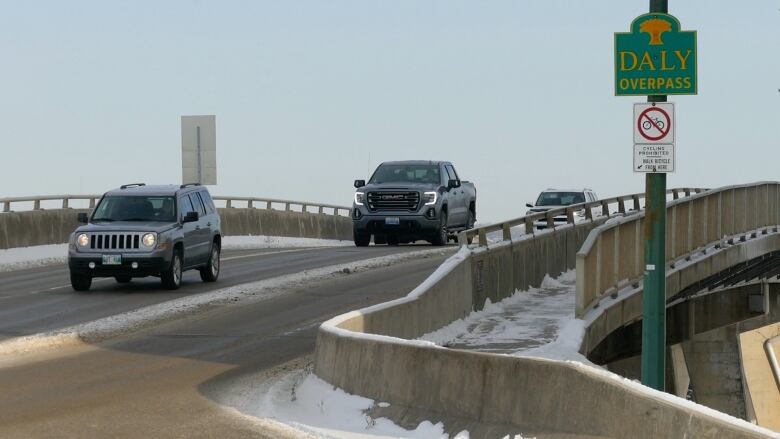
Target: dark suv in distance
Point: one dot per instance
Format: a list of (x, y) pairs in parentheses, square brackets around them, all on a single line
[(139, 231)]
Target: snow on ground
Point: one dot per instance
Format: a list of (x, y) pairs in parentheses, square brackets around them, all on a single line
[(259, 242), (304, 401), (539, 322), (29, 257)]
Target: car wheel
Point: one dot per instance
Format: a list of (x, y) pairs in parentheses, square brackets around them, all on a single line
[(171, 278), (80, 282), (210, 272), (441, 236), (123, 279), (361, 239)]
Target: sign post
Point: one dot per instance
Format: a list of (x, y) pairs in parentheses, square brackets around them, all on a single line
[(656, 58)]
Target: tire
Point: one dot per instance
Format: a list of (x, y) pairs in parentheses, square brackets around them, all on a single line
[(80, 282), (123, 279), (210, 272), (380, 239), (361, 239), (171, 277), (441, 237)]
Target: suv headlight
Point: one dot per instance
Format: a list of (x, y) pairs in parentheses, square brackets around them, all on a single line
[(360, 198), (82, 240), (429, 198), (149, 240)]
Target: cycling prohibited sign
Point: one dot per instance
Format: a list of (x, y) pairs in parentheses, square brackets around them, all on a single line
[(654, 127)]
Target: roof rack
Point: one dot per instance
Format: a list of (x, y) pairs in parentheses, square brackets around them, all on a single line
[(125, 186), (188, 185)]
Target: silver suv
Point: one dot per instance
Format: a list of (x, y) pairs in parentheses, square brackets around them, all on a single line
[(139, 231), (557, 198)]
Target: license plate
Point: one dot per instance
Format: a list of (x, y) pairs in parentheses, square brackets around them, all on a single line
[(392, 221), (112, 259)]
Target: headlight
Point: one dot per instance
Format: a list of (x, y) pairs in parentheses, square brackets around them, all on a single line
[(429, 198), (360, 197), (149, 239), (82, 240)]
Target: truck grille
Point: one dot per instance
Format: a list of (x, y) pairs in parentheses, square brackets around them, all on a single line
[(393, 201), (115, 241)]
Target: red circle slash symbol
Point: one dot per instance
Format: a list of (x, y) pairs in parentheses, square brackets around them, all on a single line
[(647, 123)]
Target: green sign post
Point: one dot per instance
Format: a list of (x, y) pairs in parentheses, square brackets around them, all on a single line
[(655, 58)]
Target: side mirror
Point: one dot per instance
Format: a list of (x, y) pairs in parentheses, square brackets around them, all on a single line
[(83, 218), (529, 205), (452, 184), (360, 183), (190, 217)]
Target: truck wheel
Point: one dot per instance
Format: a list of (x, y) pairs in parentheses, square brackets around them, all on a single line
[(171, 278), (441, 236), (380, 239), (123, 279), (210, 272), (80, 282), (361, 239)]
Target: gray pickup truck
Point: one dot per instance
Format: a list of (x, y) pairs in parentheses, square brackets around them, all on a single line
[(410, 201)]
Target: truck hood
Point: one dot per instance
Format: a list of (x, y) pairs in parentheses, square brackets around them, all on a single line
[(389, 187), (127, 226)]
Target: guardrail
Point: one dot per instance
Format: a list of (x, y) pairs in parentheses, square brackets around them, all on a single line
[(570, 213), (302, 206), (288, 204), (36, 200), (613, 255)]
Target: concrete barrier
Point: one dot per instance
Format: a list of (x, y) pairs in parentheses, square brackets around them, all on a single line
[(372, 352), (54, 226)]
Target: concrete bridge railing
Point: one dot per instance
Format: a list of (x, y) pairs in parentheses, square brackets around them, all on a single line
[(49, 219), (604, 208), (613, 256), (373, 352)]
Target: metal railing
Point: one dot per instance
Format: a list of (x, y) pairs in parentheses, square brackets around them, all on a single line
[(251, 202), (608, 206), (613, 255), (289, 205), (36, 200)]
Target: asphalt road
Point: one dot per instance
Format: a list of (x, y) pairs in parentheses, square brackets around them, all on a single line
[(156, 383), (41, 299)]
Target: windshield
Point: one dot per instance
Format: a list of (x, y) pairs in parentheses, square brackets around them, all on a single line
[(406, 174), (560, 198), (135, 208)]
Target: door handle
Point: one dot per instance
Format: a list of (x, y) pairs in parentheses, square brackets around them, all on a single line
[(197, 227), (208, 224)]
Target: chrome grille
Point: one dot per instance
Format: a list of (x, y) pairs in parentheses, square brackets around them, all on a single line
[(115, 241), (393, 201)]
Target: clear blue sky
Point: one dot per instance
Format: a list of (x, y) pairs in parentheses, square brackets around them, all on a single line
[(518, 94)]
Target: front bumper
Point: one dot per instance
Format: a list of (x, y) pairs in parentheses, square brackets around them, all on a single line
[(149, 264), (408, 224)]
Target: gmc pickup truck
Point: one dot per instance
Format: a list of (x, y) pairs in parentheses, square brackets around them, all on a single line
[(410, 201)]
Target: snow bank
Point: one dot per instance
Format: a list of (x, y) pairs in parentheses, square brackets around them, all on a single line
[(42, 255), (29, 257), (260, 242)]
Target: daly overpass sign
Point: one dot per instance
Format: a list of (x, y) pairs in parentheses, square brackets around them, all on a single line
[(655, 58)]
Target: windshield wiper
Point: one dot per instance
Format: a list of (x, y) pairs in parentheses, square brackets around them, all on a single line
[(102, 219)]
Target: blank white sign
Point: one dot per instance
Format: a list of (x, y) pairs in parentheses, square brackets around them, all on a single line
[(199, 149)]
